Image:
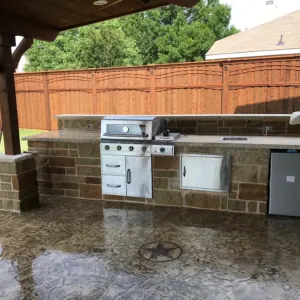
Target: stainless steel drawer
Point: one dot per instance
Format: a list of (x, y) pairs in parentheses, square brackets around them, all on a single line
[(114, 185), (113, 165)]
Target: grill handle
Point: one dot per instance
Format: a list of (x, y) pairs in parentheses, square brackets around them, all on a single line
[(114, 186), (128, 176), (113, 166)]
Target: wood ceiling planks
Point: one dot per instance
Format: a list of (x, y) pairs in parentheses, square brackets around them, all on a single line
[(33, 17)]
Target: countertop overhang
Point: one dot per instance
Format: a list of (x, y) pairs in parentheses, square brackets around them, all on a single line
[(187, 117), (267, 142), (68, 136)]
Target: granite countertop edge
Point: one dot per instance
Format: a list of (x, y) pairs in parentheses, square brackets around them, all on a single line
[(188, 117), (239, 145), (271, 142), (70, 137), (63, 140)]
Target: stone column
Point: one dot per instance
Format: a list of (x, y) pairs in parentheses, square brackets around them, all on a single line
[(18, 182)]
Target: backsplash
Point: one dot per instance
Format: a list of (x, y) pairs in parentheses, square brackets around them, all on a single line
[(234, 127), (216, 125)]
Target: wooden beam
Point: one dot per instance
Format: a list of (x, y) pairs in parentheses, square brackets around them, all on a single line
[(23, 46), (8, 103), (12, 25)]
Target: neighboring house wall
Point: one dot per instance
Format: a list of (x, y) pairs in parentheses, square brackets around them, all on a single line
[(278, 37), (252, 54), (21, 65)]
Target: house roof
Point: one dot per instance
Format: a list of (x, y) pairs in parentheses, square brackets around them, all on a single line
[(43, 19), (261, 39)]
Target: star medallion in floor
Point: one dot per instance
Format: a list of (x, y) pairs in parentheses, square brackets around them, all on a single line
[(160, 251)]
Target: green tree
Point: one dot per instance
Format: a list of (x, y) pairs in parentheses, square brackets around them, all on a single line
[(165, 35), (99, 45), (52, 56), (175, 34)]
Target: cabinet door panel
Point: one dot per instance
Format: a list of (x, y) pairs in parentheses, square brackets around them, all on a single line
[(139, 176), (205, 172)]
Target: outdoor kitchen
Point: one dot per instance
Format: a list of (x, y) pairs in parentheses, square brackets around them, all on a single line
[(166, 164), (207, 162)]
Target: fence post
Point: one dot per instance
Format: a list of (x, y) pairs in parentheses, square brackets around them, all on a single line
[(152, 90), (94, 92), (225, 89), (47, 102)]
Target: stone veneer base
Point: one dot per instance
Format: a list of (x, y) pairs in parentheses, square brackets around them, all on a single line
[(18, 182), (72, 170)]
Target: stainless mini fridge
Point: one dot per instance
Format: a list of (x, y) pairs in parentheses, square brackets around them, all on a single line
[(285, 184)]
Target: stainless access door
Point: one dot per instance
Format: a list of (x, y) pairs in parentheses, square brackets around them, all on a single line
[(205, 172), (285, 184), (139, 176)]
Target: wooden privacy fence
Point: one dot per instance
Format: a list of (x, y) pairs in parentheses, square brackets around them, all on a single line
[(259, 86)]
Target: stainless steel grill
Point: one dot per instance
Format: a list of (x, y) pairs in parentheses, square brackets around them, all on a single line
[(127, 144)]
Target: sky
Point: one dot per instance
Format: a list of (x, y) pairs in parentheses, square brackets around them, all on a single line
[(22, 60), (247, 14)]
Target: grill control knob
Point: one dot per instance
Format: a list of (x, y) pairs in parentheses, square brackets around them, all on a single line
[(106, 147), (144, 149), (162, 150), (119, 148), (131, 148)]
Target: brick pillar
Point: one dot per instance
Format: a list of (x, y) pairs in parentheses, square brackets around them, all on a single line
[(18, 182)]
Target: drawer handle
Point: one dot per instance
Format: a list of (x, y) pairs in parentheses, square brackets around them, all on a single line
[(112, 166), (184, 171), (113, 186)]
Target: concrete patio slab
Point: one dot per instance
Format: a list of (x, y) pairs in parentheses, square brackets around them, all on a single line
[(74, 249)]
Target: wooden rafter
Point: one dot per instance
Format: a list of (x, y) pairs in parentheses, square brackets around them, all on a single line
[(13, 25)]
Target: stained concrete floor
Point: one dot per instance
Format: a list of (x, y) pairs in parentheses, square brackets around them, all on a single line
[(89, 250)]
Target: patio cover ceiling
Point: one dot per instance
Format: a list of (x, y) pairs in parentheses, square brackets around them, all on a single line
[(44, 19)]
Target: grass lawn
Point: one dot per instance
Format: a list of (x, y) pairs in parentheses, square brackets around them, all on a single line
[(23, 133)]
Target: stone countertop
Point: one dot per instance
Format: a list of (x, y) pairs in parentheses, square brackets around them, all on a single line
[(189, 117), (267, 142), (78, 136)]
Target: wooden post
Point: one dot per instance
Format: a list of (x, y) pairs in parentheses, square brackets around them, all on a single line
[(225, 89), (152, 109), (94, 92), (47, 102), (8, 102)]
